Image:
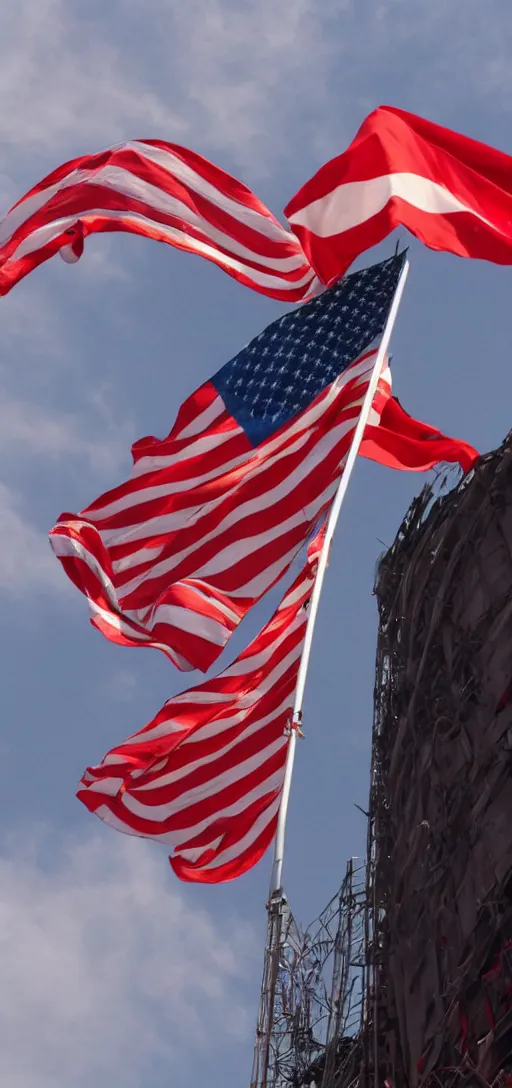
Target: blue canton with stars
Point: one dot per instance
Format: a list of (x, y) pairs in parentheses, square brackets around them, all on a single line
[(282, 370)]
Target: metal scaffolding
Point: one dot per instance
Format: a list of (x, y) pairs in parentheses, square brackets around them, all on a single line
[(440, 846), (312, 993)]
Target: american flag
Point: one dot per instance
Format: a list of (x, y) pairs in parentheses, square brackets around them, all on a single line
[(212, 516), (453, 193), (205, 775), (164, 192)]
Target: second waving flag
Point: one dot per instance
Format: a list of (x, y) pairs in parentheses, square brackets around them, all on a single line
[(453, 193), (205, 775)]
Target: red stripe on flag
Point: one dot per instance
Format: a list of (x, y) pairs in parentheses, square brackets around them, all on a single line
[(401, 442), (205, 775), (163, 192), (453, 193), (176, 555)]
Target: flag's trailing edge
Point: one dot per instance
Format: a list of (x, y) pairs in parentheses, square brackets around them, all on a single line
[(164, 192), (452, 193), (400, 441), (205, 775), (213, 515)]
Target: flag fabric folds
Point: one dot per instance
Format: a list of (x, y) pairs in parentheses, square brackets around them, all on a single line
[(163, 192), (213, 515), (399, 441), (205, 775), (453, 193)]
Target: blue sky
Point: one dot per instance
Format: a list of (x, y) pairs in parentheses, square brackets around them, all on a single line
[(112, 970)]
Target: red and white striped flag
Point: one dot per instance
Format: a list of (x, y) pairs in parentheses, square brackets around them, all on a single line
[(213, 515), (176, 556), (205, 776), (163, 192), (453, 193)]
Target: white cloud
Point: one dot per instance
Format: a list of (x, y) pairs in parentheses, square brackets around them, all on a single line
[(272, 82), (92, 443), (110, 974), (250, 71), (209, 74), (26, 560), (31, 321), (457, 51), (62, 82), (261, 80), (65, 79), (93, 436)]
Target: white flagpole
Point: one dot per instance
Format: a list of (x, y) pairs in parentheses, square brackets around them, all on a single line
[(277, 868)]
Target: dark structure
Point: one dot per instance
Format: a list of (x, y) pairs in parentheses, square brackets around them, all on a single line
[(312, 994), (441, 792), (418, 949)]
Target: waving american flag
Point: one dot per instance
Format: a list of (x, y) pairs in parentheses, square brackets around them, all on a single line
[(213, 515), (453, 193), (205, 775), (160, 191)]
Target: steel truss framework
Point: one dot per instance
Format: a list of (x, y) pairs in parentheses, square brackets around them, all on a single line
[(312, 994)]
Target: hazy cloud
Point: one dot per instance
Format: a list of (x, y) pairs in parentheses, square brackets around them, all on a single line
[(110, 974), (65, 82), (93, 435), (273, 82), (31, 323), (26, 561), (263, 81)]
